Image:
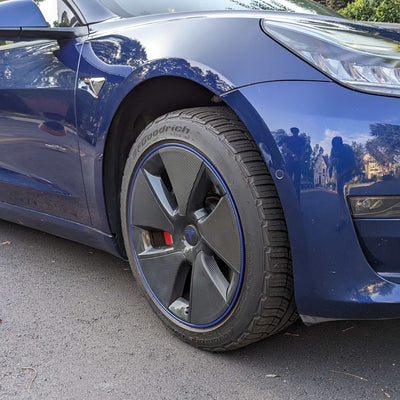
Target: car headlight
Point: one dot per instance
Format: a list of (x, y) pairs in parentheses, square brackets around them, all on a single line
[(360, 56)]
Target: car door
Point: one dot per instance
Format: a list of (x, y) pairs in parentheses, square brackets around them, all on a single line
[(40, 167)]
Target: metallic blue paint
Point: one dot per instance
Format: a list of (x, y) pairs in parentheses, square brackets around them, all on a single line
[(215, 67), (12, 16), (127, 55), (332, 276), (59, 226), (39, 155), (130, 44), (53, 135)]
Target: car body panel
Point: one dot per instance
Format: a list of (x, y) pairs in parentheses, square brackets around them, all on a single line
[(61, 227), (125, 54), (333, 277), (11, 16), (40, 164), (175, 37)]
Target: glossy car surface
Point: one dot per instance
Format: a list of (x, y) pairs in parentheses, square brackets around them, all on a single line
[(299, 154)]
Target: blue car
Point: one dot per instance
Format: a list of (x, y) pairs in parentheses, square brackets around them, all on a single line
[(244, 156)]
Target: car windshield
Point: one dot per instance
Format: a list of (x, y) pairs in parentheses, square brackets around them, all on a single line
[(129, 8)]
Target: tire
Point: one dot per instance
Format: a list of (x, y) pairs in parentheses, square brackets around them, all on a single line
[(204, 230)]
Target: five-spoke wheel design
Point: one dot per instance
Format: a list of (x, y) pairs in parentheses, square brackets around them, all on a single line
[(186, 235)]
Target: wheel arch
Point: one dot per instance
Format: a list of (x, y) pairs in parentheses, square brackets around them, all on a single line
[(143, 104), (247, 109)]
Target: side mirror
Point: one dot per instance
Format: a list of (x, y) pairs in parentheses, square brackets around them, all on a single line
[(18, 13), (22, 19)]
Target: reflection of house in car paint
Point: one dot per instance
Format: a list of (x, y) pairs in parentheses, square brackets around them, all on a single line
[(321, 174), (374, 169)]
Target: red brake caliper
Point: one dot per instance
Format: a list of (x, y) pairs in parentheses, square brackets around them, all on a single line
[(168, 239)]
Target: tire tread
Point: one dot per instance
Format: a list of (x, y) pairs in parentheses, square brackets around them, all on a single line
[(276, 305)]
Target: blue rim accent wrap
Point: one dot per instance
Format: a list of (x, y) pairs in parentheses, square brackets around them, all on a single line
[(221, 181)]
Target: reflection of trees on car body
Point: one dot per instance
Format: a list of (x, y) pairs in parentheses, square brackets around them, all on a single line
[(343, 162)]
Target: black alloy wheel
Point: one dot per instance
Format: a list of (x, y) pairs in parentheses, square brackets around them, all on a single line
[(186, 235)]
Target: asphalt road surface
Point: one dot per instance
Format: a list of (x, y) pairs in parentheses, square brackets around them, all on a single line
[(74, 315)]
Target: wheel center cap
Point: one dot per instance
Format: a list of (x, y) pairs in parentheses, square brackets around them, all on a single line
[(191, 235)]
